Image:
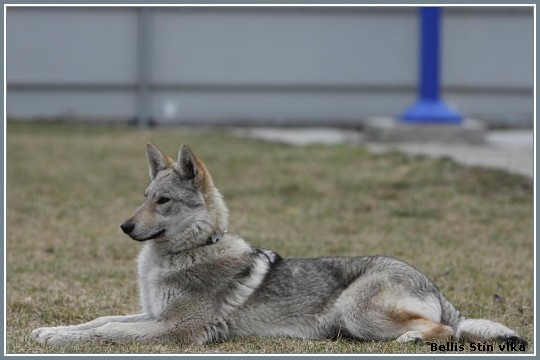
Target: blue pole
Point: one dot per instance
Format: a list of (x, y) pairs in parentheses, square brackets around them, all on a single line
[(429, 108), (429, 68)]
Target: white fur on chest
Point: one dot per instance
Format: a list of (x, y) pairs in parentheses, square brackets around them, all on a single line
[(154, 296), (154, 266)]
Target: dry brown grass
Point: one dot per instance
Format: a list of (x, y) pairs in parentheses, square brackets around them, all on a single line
[(70, 186)]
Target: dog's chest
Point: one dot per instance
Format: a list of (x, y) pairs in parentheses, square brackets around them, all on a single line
[(155, 296)]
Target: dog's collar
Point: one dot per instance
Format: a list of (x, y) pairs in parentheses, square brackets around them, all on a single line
[(214, 239)]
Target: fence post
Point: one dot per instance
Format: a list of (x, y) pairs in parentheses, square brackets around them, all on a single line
[(429, 108), (143, 116)]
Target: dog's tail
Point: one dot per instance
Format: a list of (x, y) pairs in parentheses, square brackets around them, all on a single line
[(475, 330)]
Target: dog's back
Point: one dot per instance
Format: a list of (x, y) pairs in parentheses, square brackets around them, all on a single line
[(312, 298)]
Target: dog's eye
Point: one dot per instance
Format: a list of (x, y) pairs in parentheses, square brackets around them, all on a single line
[(163, 200)]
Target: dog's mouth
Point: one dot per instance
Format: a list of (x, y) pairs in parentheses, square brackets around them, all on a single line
[(153, 236)]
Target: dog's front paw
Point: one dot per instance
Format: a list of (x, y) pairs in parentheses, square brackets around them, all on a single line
[(36, 332), (56, 337)]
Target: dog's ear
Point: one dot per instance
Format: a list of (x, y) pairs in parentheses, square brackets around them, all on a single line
[(156, 160), (186, 165)]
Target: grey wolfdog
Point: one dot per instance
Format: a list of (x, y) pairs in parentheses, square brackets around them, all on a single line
[(199, 284)]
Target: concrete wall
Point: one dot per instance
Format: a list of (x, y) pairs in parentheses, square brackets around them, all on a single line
[(263, 65)]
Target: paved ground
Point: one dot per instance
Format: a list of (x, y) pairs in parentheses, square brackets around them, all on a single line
[(511, 150)]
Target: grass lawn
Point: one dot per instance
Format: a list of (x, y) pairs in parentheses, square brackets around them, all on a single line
[(70, 186)]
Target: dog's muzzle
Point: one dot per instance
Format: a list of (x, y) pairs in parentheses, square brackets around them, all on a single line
[(128, 226)]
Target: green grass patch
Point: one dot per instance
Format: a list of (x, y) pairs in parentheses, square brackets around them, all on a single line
[(70, 186)]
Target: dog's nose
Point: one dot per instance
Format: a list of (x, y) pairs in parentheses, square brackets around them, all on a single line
[(127, 227)]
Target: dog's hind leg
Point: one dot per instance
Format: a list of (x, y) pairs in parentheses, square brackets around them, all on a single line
[(376, 322), (372, 308), (419, 329)]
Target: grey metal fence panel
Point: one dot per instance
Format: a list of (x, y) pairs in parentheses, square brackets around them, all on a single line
[(263, 65)]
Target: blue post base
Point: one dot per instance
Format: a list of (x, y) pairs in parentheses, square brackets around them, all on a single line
[(431, 112)]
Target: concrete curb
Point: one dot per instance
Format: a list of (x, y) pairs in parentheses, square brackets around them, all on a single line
[(382, 129), (510, 150)]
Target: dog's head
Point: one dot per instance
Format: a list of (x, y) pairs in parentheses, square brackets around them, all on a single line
[(182, 206)]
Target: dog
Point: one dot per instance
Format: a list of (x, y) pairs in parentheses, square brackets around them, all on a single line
[(199, 284)]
